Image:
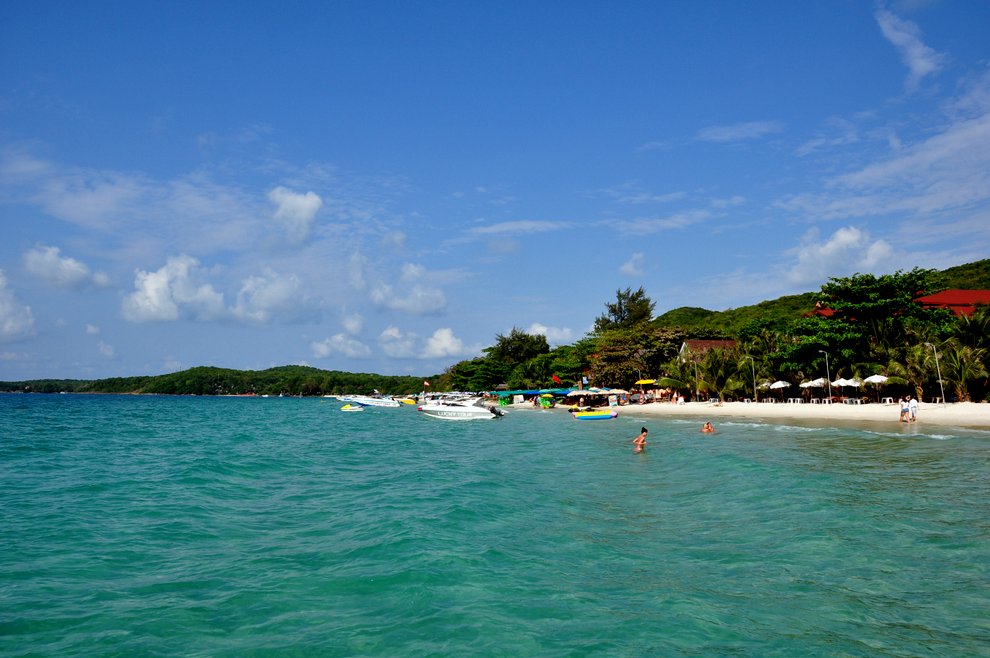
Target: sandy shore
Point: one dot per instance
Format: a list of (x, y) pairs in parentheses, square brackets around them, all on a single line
[(975, 415), (959, 414)]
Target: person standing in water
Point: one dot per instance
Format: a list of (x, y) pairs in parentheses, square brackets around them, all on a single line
[(640, 441)]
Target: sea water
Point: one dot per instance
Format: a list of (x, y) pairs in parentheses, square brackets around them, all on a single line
[(175, 526)]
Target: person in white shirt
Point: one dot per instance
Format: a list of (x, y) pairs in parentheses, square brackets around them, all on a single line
[(913, 408)]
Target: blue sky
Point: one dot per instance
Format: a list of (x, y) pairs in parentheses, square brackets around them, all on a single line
[(385, 186)]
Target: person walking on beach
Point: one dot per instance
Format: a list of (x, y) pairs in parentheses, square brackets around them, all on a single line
[(913, 409), (640, 441), (905, 408)]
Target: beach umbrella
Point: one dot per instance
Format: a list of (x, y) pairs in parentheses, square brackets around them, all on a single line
[(780, 384), (587, 391), (814, 383), (876, 380)]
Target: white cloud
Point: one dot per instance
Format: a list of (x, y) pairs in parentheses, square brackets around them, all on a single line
[(340, 344), (740, 131), (48, 264), (105, 349), (947, 172), (920, 59), (95, 199), (645, 226), (273, 296), (92, 330), (416, 300), (519, 227), (634, 266), (355, 269), (163, 295), (353, 323), (397, 344), (16, 319), (443, 343), (554, 335), (295, 211), (846, 251)]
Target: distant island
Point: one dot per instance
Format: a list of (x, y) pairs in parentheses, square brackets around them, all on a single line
[(206, 380)]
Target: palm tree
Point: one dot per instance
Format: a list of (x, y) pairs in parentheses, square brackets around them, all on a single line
[(962, 364), (720, 370), (915, 367)]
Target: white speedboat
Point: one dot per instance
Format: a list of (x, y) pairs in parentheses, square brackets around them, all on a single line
[(460, 409), (368, 401)]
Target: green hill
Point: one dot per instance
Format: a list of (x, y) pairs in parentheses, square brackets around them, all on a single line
[(971, 276), (777, 313)]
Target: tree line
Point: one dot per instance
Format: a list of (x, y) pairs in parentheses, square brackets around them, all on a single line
[(872, 325)]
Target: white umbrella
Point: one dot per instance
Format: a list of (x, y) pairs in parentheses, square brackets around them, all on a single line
[(840, 382), (780, 385), (587, 391), (816, 383), (876, 379)]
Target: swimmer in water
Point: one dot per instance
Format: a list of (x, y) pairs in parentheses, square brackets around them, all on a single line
[(708, 428), (640, 441)]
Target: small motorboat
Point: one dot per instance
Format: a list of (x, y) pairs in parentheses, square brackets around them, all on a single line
[(596, 414), (368, 401), (460, 408), (352, 407)]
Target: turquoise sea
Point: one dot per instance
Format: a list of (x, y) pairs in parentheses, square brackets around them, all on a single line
[(171, 526)]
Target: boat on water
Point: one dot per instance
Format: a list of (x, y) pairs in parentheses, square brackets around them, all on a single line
[(368, 401), (460, 408), (595, 414), (352, 407)]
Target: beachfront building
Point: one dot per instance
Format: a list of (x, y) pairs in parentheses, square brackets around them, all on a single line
[(959, 301), (696, 348)]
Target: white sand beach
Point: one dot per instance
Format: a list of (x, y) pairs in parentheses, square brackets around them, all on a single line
[(958, 414)]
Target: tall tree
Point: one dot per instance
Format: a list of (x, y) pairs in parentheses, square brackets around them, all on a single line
[(629, 309), (880, 307)]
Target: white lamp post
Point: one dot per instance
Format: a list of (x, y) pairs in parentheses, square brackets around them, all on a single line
[(828, 374), (753, 366), (939, 371)]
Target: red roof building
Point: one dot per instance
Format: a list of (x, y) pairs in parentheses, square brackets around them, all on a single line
[(699, 347), (960, 302)]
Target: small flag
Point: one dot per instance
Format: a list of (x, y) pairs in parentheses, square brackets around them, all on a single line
[(556, 379), (426, 383)]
